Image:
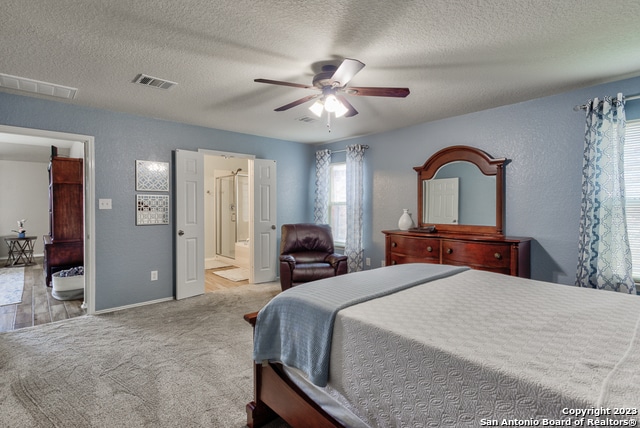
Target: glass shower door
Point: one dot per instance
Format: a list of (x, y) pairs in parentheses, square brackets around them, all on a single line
[(226, 221)]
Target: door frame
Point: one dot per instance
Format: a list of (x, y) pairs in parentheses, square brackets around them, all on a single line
[(226, 155), (89, 201), (252, 249)]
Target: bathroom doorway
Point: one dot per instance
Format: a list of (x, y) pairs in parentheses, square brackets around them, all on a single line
[(260, 249), (227, 216)]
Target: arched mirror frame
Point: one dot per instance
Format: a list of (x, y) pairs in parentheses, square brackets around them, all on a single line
[(488, 166)]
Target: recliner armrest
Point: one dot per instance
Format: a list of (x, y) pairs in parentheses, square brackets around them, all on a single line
[(288, 258), (334, 259)]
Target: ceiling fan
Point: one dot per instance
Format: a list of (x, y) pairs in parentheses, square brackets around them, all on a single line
[(331, 83)]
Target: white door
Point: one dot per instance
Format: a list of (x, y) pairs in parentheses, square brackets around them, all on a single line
[(189, 194), (443, 201), (262, 197)]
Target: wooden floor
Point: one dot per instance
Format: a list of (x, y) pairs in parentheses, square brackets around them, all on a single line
[(39, 307), (214, 282)]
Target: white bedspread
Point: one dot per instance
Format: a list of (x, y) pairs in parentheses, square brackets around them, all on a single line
[(295, 327), (478, 347)]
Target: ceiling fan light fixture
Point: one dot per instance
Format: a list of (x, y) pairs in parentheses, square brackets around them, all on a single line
[(331, 103), (317, 108), (340, 110), (332, 82)]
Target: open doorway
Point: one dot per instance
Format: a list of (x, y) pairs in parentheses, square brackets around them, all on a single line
[(190, 219), (36, 145), (227, 215)]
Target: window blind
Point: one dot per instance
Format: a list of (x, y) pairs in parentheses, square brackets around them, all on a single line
[(632, 191)]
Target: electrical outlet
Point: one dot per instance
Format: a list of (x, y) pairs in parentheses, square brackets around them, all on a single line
[(154, 275), (382, 263), (104, 204), (367, 261)]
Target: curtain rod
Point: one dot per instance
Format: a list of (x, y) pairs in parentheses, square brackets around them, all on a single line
[(584, 106), (344, 150)]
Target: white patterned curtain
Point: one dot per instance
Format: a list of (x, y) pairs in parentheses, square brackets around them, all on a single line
[(604, 259), (355, 199), (321, 209)]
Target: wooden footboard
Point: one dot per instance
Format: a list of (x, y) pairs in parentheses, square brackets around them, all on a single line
[(276, 395)]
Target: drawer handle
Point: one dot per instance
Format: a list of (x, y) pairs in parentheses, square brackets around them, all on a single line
[(393, 244), (498, 256), (429, 249), (449, 251)]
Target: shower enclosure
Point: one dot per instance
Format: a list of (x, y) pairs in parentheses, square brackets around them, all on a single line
[(232, 201)]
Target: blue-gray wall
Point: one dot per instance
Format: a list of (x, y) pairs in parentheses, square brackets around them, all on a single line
[(543, 140), (126, 253)]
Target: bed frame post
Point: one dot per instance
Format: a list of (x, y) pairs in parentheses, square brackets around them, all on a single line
[(275, 395), (258, 413)]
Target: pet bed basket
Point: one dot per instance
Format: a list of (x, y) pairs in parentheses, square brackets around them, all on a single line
[(68, 284)]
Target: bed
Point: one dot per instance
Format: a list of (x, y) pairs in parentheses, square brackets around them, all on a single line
[(431, 345)]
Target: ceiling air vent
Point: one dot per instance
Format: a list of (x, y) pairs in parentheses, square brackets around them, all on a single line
[(37, 87), (307, 119), (154, 82)]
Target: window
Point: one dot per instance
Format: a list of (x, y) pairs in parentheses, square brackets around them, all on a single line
[(338, 202), (632, 191)]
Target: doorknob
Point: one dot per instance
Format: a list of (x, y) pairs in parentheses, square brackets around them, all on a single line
[(180, 232), (273, 227)]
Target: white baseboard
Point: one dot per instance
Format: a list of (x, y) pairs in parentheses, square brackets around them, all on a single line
[(135, 305), (5, 258)]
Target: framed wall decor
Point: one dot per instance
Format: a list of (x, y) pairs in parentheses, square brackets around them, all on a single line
[(152, 209), (152, 176)]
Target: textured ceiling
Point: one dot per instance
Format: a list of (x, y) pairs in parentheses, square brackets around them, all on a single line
[(456, 56)]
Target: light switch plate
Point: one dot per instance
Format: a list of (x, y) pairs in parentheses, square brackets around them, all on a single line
[(104, 204)]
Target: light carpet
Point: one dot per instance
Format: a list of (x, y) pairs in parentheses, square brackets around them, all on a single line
[(180, 363), (237, 274), (11, 285)]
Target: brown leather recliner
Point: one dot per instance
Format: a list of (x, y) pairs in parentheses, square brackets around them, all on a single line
[(306, 254)]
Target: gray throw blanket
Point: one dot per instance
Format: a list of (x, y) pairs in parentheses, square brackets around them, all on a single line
[(296, 327)]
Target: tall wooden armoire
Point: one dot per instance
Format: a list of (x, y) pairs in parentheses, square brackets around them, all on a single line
[(64, 245)]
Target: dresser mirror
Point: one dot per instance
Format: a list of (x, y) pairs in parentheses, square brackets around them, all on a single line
[(460, 189)]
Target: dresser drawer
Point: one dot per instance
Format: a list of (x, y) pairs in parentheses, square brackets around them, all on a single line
[(507, 255), (399, 259), (410, 248), (483, 255)]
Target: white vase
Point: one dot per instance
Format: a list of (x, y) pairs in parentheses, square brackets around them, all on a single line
[(405, 221)]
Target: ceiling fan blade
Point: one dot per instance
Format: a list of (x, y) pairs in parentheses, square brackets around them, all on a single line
[(298, 102), (346, 71), (377, 92), (352, 111), (277, 82)]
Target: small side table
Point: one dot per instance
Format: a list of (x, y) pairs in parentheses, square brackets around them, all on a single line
[(20, 250)]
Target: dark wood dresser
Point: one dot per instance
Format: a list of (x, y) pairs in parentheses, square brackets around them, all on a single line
[(507, 255), (461, 216), (64, 245)]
